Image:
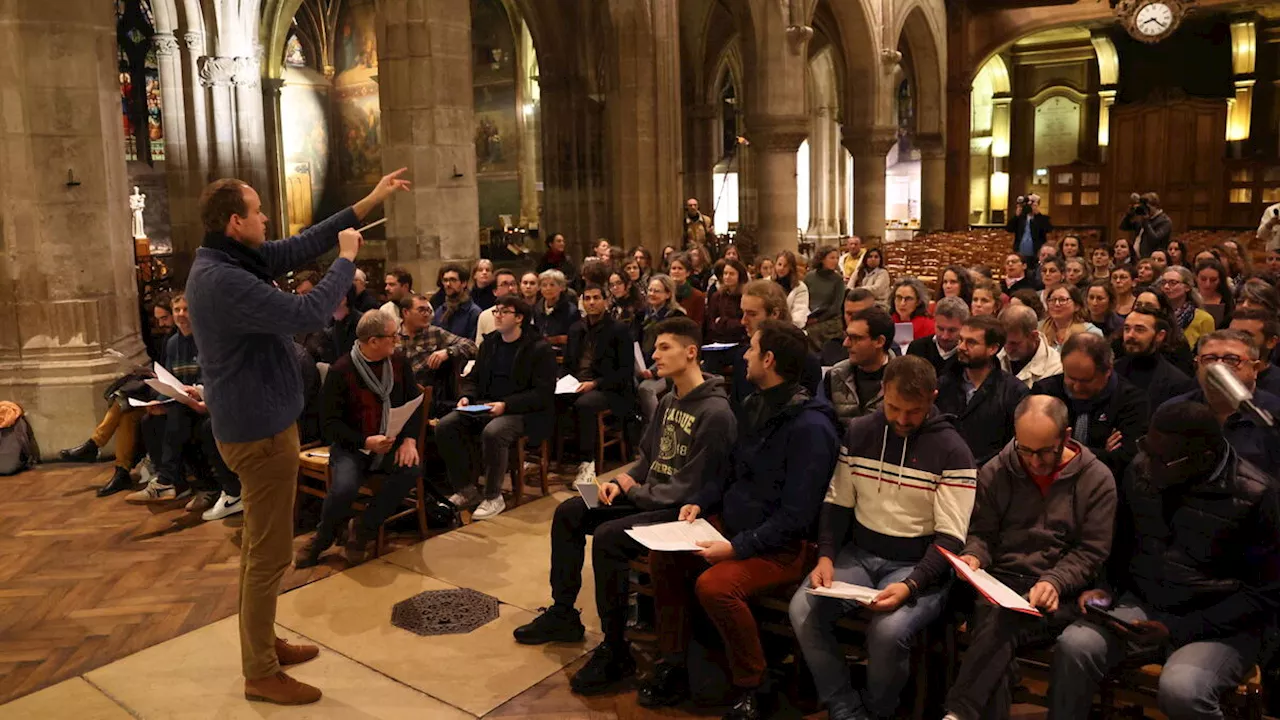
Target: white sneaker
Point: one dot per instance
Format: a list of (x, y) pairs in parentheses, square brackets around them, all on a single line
[(225, 507), (489, 508), (154, 492), (586, 472)]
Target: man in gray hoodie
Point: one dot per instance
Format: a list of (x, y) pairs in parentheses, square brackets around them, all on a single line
[(244, 327), (688, 442), (1042, 524)]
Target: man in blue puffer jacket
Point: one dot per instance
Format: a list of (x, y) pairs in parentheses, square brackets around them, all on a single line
[(787, 449)]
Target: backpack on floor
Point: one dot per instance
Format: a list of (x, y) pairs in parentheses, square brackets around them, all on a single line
[(18, 449)]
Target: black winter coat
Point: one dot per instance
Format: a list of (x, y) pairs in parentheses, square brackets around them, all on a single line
[(985, 421)]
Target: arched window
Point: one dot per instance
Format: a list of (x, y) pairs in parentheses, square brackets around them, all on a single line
[(140, 105)]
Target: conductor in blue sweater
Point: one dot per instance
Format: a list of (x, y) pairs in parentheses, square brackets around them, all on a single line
[(243, 325)]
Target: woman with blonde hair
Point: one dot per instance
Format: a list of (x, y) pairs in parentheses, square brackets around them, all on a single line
[(786, 273), (1067, 316)]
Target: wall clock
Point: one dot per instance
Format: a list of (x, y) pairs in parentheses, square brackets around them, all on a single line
[(1151, 21)]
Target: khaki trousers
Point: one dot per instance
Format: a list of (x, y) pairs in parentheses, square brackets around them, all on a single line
[(123, 424), (268, 471)]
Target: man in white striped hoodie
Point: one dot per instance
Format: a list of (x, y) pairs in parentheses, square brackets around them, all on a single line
[(905, 482)]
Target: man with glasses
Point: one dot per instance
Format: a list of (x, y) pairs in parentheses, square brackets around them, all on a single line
[(457, 313), (504, 283), (359, 392), (1042, 523), (1107, 413), (1265, 329), (435, 354), (854, 385), (1198, 580), (1236, 350)]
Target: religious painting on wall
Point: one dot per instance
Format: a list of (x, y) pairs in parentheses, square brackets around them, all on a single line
[(493, 76), (358, 138), (357, 44), (304, 130)]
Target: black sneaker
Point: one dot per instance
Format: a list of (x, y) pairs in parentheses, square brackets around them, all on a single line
[(752, 704), (608, 665), (556, 624), (120, 480), (668, 685)]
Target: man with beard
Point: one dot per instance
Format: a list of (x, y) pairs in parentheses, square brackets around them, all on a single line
[(1201, 581), (940, 347), (457, 313), (1265, 329), (1145, 331), (1252, 440), (981, 395)]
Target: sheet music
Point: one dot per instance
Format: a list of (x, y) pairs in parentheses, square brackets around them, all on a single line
[(165, 376), (134, 402), (174, 391), (567, 385), (990, 588), (400, 415), (846, 591), (640, 363), (676, 536)]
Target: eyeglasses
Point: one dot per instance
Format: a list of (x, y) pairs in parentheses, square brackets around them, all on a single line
[(1047, 455), (1231, 361), (1059, 300), (1169, 283), (1144, 445), (500, 311), (905, 298)]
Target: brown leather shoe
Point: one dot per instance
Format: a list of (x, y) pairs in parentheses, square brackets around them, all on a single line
[(281, 690), (294, 654)]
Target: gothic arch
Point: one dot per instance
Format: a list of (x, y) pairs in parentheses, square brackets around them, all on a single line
[(928, 58), (848, 24)]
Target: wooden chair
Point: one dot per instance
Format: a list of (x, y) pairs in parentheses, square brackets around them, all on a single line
[(610, 436), (1247, 700), (522, 453), (314, 480)]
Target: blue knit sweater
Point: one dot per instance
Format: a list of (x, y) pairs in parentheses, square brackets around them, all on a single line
[(244, 327)]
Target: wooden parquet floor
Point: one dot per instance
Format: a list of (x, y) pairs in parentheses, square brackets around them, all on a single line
[(85, 581)]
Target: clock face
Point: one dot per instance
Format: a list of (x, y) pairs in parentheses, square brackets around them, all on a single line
[(1154, 18)]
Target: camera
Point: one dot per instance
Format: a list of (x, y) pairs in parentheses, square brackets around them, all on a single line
[(1140, 206)]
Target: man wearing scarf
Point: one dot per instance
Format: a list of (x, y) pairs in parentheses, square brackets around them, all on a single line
[(243, 325), (359, 392), (1107, 413)]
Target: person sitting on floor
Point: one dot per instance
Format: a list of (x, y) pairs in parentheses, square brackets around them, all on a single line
[(436, 355), (1200, 588), (599, 355), (906, 484), (980, 395), (359, 393), (1042, 523), (689, 440), (515, 377), (853, 386), (788, 445), (940, 347)]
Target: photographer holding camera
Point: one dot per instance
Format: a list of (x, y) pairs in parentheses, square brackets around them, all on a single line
[(1149, 221), (1269, 228), (1030, 228)]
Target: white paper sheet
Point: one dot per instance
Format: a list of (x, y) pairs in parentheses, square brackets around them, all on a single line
[(134, 402), (567, 385), (400, 415), (165, 376), (676, 536), (903, 333), (590, 493), (640, 363), (466, 369), (171, 390), (847, 591), (712, 347), (990, 588)]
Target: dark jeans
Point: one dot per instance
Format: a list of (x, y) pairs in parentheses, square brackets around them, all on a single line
[(586, 411), (983, 687), (222, 476), (346, 472), (456, 437), (611, 554), (170, 439)]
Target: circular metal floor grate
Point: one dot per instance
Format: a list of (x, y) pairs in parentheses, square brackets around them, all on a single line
[(444, 612)]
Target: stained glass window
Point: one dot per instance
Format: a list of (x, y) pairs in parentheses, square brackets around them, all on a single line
[(140, 104)]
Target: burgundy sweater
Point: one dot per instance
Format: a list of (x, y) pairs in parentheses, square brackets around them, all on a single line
[(351, 412)]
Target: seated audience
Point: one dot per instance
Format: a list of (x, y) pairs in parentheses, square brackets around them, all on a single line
[(975, 390), (339, 335), (851, 258), (764, 300), (399, 286), (555, 259), (911, 305), (599, 355), (1214, 287), (660, 305), (484, 291), (693, 300), (940, 347), (854, 386), (1146, 330), (724, 307), (627, 301), (700, 270), (121, 421), (833, 350), (1179, 285), (1144, 273), (1251, 440), (362, 299), (1175, 348), (504, 283), (1107, 413), (1015, 275), (515, 376), (359, 393), (1031, 299), (1122, 286), (457, 314), (885, 510), (786, 273), (555, 312), (1265, 329), (689, 442), (160, 329), (1077, 273), (786, 449), (987, 299), (1042, 524), (1201, 579), (1052, 275), (435, 355), (826, 297), (1025, 354), (874, 278), (1100, 301), (1068, 316), (955, 282)]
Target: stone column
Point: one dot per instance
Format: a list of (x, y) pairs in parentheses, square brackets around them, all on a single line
[(199, 138), (702, 128), (428, 121), (824, 162), (576, 197), (933, 181), (869, 148), (960, 70), (184, 221), (271, 88), (645, 145), (251, 134), (215, 77), (774, 144), (68, 289)]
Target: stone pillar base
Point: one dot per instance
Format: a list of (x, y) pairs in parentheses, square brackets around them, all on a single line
[(62, 404)]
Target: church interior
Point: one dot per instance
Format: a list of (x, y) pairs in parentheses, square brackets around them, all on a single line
[(917, 126)]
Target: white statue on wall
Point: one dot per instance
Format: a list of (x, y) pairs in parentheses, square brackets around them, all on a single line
[(137, 202)]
